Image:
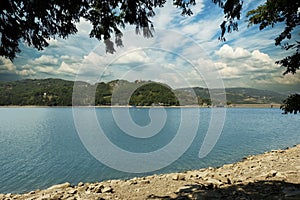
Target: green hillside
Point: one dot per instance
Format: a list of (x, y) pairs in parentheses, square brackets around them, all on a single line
[(239, 95), (57, 92)]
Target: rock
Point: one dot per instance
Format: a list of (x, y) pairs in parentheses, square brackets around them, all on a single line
[(82, 189), (175, 177), (222, 179), (134, 179), (114, 182), (214, 182), (72, 191), (16, 196), (67, 195), (192, 174), (60, 186), (204, 174), (91, 187), (80, 184), (183, 189), (107, 189), (44, 197), (271, 174), (145, 181), (57, 197), (280, 175), (178, 177), (2, 196), (98, 189), (133, 182), (8, 195), (71, 198), (88, 192)]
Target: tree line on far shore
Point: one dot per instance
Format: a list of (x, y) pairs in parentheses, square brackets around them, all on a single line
[(58, 92)]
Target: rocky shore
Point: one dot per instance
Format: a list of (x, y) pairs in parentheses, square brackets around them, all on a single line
[(272, 175)]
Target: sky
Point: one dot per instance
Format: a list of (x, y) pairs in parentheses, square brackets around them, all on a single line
[(184, 52)]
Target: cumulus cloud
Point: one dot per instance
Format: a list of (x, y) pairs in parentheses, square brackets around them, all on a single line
[(164, 16), (46, 70), (134, 56), (184, 50), (6, 65), (26, 70), (228, 72), (45, 60), (241, 67), (68, 68), (228, 52), (243, 60), (289, 79)]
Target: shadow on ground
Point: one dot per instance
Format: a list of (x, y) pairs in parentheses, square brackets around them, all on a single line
[(265, 190)]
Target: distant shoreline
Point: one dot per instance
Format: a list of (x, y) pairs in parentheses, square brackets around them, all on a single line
[(120, 106)]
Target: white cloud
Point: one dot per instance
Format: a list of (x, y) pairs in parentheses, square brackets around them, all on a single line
[(53, 42), (251, 69), (245, 60), (68, 68), (135, 56), (228, 72), (6, 65), (71, 58), (47, 70), (84, 27), (288, 79), (70, 64), (45, 60), (265, 58), (165, 15), (26, 72), (228, 52)]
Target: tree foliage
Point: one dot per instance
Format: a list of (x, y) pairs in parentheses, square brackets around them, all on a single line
[(271, 13), (291, 104), (232, 11), (34, 22), (281, 11), (58, 92), (153, 94)]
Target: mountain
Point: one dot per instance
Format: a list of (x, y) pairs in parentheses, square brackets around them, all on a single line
[(57, 92), (238, 95)]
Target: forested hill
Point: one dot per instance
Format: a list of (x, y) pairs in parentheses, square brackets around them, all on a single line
[(57, 92), (240, 95)]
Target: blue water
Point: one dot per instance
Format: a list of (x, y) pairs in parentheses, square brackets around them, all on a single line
[(40, 147)]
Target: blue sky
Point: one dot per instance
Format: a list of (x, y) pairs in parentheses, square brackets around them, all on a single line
[(184, 52)]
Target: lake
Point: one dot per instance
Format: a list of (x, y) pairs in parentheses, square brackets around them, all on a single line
[(40, 147)]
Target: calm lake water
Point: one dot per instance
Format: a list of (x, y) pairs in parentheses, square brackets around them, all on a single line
[(40, 147)]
